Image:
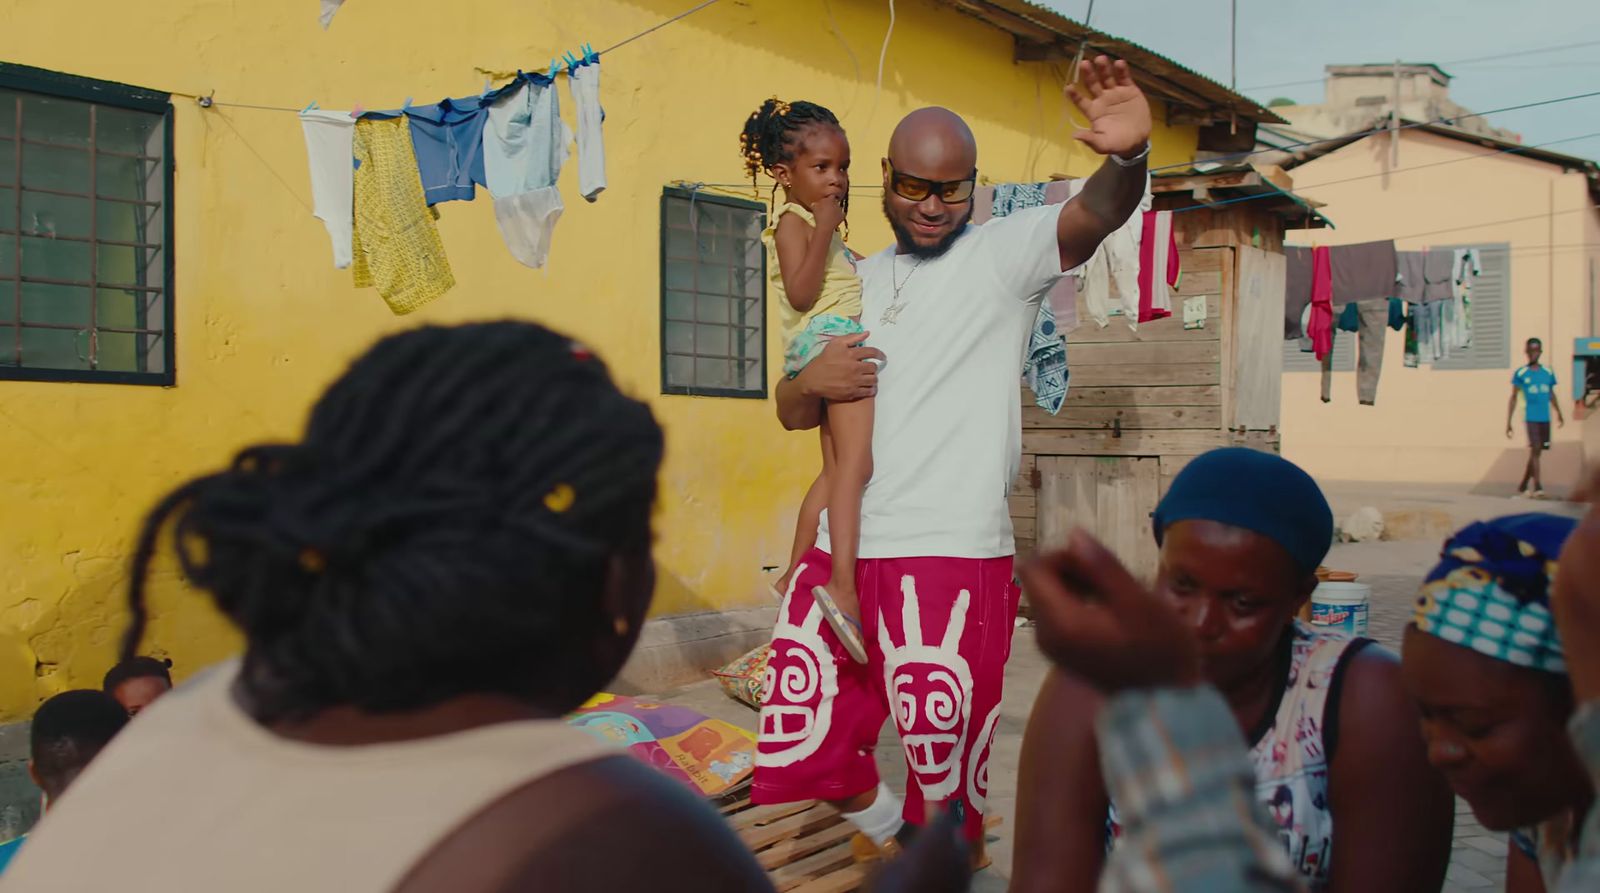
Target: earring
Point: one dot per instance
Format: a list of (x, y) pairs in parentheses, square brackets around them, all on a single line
[(621, 626)]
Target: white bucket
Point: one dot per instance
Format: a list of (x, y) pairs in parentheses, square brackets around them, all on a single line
[(1341, 607)]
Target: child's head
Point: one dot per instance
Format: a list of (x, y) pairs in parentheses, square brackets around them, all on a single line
[(68, 731), (802, 146), (137, 681)]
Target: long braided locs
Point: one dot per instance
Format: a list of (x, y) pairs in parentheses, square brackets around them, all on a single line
[(445, 525)]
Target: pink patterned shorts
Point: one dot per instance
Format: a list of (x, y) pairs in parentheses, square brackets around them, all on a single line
[(938, 634)]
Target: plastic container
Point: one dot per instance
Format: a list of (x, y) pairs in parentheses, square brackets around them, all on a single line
[(1341, 607)]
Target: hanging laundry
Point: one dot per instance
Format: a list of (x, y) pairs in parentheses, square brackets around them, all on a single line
[(1115, 267), (329, 7), (584, 81), (1327, 367), (1362, 272), (1012, 197), (1397, 314), (1466, 271), (397, 247), (524, 147), (1194, 312), (1044, 368), (1158, 266), (1412, 358), (1409, 268), (329, 138), (1296, 290), (1373, 322), (1321, 325), (1438, 274), (1467, 268), (1349, 319), (525, 142), (448, 140)]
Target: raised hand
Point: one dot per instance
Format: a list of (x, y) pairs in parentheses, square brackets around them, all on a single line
[(1119, 116), (1100, 624), (829, 214)]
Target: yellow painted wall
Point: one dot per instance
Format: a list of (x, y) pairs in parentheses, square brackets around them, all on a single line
[(264, 321), (1448, 426)]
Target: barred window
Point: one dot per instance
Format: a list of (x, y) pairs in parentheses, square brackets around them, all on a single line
[(85, 230), (713, 295)]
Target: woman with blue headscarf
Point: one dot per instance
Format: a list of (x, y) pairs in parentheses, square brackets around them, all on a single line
[(1330, 729), (1488, 670)]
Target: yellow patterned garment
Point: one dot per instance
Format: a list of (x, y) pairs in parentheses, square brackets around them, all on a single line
[(397, 247)]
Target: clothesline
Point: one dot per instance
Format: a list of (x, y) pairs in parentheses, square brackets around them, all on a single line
[(208, 101), (1394, 170), (1443, 119)]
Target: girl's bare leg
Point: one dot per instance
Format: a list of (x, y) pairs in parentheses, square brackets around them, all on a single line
[(850, 427)]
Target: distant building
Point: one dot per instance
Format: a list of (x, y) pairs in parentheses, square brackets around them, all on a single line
[(1362, 97), (1463, 183)]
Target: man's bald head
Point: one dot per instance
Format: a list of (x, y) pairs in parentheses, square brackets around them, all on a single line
[(934, 143)]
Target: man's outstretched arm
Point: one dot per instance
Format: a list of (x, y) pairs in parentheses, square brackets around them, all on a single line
[(1119, 126)]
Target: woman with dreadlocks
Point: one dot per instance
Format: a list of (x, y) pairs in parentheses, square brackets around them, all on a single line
[(454, 555), (802, 146)]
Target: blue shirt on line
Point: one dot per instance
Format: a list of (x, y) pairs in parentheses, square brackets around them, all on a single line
[(1538, 385)]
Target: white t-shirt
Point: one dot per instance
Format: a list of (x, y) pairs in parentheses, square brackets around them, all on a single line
[(947, 426)]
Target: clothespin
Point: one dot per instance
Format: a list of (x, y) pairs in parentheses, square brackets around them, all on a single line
[(358, 111), (572, 63), (555, 66), (407, 106), (589, 55), (309, 107), (488, 84)]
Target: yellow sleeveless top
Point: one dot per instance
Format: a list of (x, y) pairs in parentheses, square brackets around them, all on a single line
[(841, 288)]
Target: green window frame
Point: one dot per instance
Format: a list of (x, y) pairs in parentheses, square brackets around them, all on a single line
[(86, 230), (713, 295)]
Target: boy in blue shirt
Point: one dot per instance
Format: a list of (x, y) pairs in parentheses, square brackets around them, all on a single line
[(1537, 385)]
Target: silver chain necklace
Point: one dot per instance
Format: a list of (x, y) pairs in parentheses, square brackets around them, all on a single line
[(891, 313)]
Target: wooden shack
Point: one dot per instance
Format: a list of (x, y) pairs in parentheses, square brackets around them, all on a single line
[(1142, 403)]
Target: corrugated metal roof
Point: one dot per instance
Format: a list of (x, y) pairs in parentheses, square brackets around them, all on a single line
[(1042, 34)]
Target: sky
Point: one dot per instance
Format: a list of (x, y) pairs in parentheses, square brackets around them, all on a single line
[(1285, 41)]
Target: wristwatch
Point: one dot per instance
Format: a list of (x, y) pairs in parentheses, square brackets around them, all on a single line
[(1130, 162)]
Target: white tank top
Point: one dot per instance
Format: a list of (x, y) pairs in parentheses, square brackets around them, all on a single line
[(194, 795), (1291, 755)]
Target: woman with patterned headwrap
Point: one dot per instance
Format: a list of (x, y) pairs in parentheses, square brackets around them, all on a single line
[(1484, 662)]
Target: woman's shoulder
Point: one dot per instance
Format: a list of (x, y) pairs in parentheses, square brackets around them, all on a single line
[(548, 831)]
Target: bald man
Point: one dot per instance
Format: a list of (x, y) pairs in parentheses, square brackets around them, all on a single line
[(950, 308)]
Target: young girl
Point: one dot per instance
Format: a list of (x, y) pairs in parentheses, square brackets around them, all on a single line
[(802, 146)]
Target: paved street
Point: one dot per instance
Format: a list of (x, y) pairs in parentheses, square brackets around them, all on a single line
[(1394, 569)]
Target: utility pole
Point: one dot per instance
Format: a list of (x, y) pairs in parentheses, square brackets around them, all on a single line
[(1394, 120), (1233, 48)]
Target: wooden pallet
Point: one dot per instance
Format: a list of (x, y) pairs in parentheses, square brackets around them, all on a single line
[(804, 846)]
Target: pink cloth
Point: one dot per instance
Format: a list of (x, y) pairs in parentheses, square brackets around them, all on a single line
[(1158, 250), (938, 634), (1321, 326)]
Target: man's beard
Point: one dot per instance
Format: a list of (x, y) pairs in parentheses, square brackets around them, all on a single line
[(903, 238)]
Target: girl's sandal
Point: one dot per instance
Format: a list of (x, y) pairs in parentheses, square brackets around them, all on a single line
[(844, 626)]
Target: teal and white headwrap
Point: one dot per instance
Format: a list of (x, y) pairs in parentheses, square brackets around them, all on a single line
[(1491, 590)]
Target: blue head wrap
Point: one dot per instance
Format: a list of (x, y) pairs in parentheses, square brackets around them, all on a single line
[(1257, 491), (1491, 590)]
